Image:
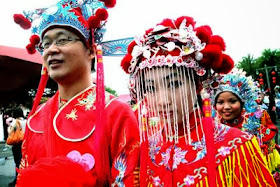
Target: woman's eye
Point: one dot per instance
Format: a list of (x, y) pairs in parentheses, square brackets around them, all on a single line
[(175, 84), (220, 102), (150, 89), (233, 101)]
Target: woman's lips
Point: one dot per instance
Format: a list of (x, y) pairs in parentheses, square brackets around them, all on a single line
[(166, 114), (227, 113)]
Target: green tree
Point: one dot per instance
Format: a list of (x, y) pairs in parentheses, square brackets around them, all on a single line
[(269, 57), (248, 64)]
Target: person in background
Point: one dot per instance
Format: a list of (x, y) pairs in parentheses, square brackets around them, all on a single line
[(7, 113), (180, 144), (261, 102), (272, 108), (82, 136), (16, 119)]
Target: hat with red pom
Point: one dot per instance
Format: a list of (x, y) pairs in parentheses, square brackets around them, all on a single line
[(85, 17), (166, 66), (177, 42)]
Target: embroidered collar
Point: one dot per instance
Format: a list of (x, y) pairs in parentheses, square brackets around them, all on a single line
[(62, 102), (237, 123)]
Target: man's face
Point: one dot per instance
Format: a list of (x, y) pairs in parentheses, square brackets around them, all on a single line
[(65, 56)]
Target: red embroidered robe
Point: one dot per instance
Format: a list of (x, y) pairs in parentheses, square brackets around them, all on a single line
[(239, 161), (71, 131), (265, 134)]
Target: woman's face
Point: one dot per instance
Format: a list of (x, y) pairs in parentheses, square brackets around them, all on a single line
[(169, 94), (228, 106), (260, 99)]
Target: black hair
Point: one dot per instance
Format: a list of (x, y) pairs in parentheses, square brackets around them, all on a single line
[(17, 113)]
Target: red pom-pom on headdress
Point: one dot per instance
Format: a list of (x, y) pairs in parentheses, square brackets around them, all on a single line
[(130, 47), (109, 3), (101, 14), (22, 21), (93, 22), (226, 65), (218, 40), (34, 39), (212, 57), (31, 48), (203, 34), (209, 29), (148, 31), (125, 63), (168, 23), (190, 21)]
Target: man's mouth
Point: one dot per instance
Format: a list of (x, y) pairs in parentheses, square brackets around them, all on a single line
[(54, 62)]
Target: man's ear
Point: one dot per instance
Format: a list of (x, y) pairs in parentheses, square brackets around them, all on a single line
[(92, 51)]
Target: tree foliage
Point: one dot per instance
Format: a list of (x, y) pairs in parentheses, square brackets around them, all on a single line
[(268, 62), (248, 64), (268, 57)]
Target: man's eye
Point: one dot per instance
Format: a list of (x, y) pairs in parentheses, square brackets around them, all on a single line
[(46, 44), (62, 40)]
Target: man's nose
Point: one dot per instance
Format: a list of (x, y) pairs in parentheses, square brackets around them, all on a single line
[(53, 48)]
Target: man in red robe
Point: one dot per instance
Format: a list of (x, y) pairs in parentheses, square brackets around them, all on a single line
[(80, 136)]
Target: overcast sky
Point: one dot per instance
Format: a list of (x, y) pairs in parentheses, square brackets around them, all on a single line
[(247, 26)]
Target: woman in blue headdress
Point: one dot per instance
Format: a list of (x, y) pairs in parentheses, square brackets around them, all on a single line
[(235, 101)]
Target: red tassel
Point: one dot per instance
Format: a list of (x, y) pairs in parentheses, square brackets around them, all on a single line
[(31, 48), (40, 91), (103, 168), (208, 128), (101, 14)]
